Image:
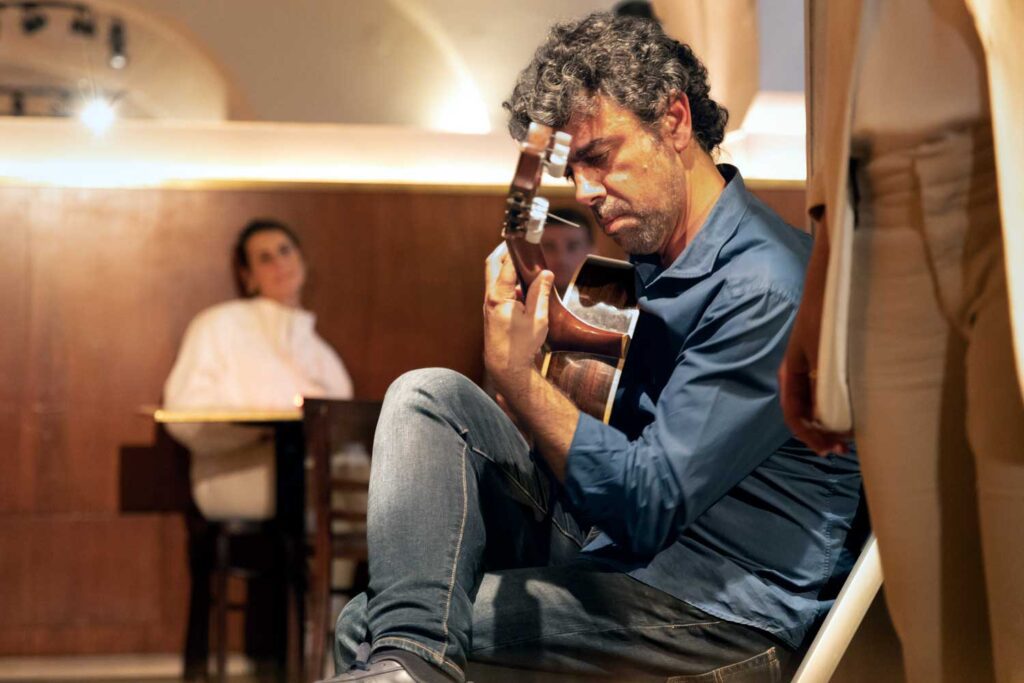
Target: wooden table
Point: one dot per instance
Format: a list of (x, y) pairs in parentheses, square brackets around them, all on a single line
[(226, 415)]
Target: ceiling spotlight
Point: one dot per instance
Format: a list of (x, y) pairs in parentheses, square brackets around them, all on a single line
[(32, 19), (83, 23), (118, 58), (98, 115)]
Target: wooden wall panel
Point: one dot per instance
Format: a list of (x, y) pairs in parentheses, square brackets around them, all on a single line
[(73, 585), (98, 286), (787, 202)]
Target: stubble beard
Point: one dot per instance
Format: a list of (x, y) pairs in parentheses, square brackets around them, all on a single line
[(647, 236)]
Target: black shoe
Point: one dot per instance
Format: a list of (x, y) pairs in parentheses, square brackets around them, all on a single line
[(393, 666)]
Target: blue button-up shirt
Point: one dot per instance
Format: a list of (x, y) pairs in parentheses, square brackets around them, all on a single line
[(698, 487)]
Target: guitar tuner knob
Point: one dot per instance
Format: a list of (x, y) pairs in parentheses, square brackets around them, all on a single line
[(538, 216), (558, 158), (557, 164)]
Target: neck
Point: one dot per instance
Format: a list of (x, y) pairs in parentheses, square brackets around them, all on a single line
[(290, 302), (702, 185)]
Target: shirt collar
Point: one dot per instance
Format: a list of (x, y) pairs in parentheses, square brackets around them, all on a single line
[(698, 258)]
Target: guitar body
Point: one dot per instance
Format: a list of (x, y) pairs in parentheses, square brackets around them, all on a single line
[(602, 295)]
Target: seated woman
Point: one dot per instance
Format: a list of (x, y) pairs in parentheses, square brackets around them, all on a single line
[(258, 352)]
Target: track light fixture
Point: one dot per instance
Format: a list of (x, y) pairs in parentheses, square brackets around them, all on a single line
[(82, 23), (18, 97), (17, 103), (118, 58), (34, 18), (96, 110)]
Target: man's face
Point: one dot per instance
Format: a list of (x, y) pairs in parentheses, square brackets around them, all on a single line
[(629, 176), (565, 248)]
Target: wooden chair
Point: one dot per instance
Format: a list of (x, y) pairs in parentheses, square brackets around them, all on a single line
[(331, 427)]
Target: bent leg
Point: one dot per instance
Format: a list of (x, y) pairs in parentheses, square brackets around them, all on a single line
[(453, 487)]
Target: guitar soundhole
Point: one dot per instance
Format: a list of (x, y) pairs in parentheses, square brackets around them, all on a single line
[(585, 378)]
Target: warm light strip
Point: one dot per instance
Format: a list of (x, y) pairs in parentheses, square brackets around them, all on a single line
[(147, 153), (155, 153), (769, 146)]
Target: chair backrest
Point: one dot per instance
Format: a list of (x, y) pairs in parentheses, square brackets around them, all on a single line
[(330, 425), (844, 618)]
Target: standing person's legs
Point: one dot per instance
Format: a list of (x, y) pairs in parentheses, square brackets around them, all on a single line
[(453, 489), (996, 429), (995, 424), (907, 386)]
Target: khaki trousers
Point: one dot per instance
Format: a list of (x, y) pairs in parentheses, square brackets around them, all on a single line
[(938, 413)]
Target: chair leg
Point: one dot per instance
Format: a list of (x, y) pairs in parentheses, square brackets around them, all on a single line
[(197, 634), (320, 609), (295, 581), (220, 611)]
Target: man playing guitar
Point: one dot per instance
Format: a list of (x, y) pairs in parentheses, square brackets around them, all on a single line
[(691, 536)]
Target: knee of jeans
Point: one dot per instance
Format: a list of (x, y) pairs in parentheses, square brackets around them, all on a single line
[(349, 631), (431, 389)]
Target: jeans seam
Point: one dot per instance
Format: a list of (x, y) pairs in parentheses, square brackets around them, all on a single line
[(458, 550), (421, 649), (565, 533), (543, 509), (607, 630), (512, 479)]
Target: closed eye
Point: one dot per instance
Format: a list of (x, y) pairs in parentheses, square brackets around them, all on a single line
[(595, 160)]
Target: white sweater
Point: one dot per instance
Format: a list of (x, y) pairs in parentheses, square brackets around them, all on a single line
[(253, 354)]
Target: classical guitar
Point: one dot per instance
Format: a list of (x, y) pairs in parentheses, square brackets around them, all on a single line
[(589, 329)]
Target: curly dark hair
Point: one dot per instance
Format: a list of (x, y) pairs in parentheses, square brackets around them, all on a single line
[(628, 59)]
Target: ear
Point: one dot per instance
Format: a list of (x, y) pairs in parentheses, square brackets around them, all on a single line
[(677, 126)]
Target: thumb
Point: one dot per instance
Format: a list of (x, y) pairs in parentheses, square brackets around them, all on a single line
[(539, 295)]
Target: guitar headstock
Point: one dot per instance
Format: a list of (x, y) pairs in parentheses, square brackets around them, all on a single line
[(543, 149)]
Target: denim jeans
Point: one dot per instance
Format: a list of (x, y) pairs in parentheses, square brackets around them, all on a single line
[(474, 555)]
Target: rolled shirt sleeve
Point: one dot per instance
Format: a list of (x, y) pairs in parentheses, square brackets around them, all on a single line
[(717, 418)]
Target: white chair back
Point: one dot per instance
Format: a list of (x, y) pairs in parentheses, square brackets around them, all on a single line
[(844, 618)]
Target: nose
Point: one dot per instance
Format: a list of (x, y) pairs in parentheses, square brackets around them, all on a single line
[(589, 189)]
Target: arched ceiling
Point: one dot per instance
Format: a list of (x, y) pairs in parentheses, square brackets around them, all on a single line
[(434, 63), (440, 64)]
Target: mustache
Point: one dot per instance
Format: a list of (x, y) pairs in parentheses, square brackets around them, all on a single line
[(605, 213)]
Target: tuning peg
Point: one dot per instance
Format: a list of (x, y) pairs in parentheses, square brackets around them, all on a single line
[(538, 215), (558, 159), (557, 163)]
